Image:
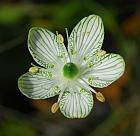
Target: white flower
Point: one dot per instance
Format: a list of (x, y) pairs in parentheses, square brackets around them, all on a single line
[(70, 74)]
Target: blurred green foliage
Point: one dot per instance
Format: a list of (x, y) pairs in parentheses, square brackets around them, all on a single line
[(17, 128), (10, 14)]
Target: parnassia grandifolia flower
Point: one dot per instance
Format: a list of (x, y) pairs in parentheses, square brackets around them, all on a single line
[(71, 73)]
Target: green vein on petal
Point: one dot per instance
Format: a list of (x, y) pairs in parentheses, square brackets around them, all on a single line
[(104, 70), (44, 47), (86, 37), (76, 104), (39, 85)]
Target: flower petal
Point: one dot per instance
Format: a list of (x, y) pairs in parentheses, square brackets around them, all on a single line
[(76, 102), (39, 85), (45, 48), (103, 70), (86, 38)]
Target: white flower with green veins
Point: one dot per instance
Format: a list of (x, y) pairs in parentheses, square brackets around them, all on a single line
[(71, 73)]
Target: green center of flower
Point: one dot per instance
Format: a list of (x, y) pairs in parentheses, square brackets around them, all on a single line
[(70, 70)]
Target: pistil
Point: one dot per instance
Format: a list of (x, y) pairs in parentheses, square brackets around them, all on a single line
[(70, 70)]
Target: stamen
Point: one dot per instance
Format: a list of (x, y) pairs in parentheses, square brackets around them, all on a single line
[(82, 83), (100, 97), (101, 52), (57, 36), (55, 107), (56, 33), (67, 33), (60, 95), (60, 38), (33, 69), (35, 65)]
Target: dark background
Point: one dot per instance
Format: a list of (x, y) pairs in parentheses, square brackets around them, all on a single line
[(20, 116)]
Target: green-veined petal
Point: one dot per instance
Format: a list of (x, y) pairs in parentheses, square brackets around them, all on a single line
[(86, 38), (103, 70), (45, 48), (76, 102), (38, 85)]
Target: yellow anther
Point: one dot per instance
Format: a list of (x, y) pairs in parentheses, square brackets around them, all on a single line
[(54, 107), (33, 69), (60, 38), (101, 52), (100, 97)]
